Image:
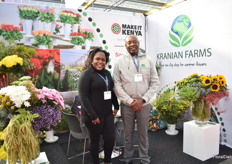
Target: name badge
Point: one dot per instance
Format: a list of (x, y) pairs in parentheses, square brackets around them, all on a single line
[(138, 77), (107, 95)]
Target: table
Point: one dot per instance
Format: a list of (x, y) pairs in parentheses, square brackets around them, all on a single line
[(201, 142)]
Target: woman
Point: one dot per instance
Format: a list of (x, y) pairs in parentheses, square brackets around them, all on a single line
[(97, 97)]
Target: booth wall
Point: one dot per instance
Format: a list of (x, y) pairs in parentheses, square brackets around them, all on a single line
[(209, 52)]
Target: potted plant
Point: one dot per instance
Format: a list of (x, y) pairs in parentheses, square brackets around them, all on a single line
[(89, 37), (57, 28), (28, 14), (46, 16), (10, 33), (78, 38), (170, 108), (68, 19), (42, 38), (202, 92)]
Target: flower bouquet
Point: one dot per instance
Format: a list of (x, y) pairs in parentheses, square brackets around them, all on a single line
[(67, 17), (203, 92), (46, 15), (57, 28), (77, 38), (42, 38), (14, 61), (10, 33), (170, 108), (88, 33), (28, 12)]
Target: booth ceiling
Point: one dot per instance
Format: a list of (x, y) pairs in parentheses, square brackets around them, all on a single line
[(129, 7)]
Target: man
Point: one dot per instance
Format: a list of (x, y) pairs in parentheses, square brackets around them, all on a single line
[(136, 82)]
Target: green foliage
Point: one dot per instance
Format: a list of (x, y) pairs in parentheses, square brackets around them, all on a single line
[(43, 40), (170, 108), (21, 51), (77, 40), (67, 19), (46, 17), (189, 94), (28, 14)]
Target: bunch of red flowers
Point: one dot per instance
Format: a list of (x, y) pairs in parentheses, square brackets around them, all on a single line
[(10, 32)]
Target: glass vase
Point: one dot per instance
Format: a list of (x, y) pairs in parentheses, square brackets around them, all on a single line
[(201, 112)]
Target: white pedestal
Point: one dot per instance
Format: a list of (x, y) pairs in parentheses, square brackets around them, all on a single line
[(42, 159), (201, 142)]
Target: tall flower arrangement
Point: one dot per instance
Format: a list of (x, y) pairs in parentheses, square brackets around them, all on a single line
[(68, 17), (10, 33), (42, 38), (77, 38), (88, 34), (28, 12), (203, 92), (46, 15)]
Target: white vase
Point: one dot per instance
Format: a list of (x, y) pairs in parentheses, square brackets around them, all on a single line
[(67, 31), (28, 27), (87, 44), (49, 135), (75, 27), (27, 41), (54, 42), (78, 47), (43, 47), (50, 138), (171, 129), (24, 26), (36, 25), (47, 26)]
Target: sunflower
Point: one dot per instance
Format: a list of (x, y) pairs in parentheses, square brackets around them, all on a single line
[(206, 81), (221, 77), (194, 74), (222, 82), (215, 87), (215, 78), (203, 77)]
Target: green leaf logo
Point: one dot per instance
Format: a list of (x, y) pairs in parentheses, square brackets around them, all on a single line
[(181, 33)]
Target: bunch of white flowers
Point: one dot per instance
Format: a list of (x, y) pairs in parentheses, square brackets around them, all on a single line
[(19, 95)]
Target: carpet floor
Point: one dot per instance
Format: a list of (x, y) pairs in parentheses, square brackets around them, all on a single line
[(164, 149)]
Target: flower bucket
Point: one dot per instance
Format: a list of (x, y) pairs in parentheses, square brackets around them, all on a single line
[(28, 28), (201, 112), (67, 31), (24, 26), (75, 27), (171, 129), (87, 44), (78, 47), (47, 26), (27, 41), (49, 135), (42, 47), (53, 27), (36, 25)]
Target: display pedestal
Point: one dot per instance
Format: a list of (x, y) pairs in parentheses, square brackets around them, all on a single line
[(201, 142), (42, 159)]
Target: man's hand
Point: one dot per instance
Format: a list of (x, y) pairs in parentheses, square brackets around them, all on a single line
[(115, 112), (137, 104), (97, 121)]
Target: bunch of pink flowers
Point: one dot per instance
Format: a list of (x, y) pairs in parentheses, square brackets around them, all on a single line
[(50, 97)]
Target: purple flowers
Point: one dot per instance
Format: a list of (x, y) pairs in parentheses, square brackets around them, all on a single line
[(48, 117)]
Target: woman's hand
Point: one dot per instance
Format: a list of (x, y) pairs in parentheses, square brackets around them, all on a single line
[(97, 121), (115, 112)]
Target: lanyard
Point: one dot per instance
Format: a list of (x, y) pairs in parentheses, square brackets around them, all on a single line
[(136, 65), (105, 79)]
